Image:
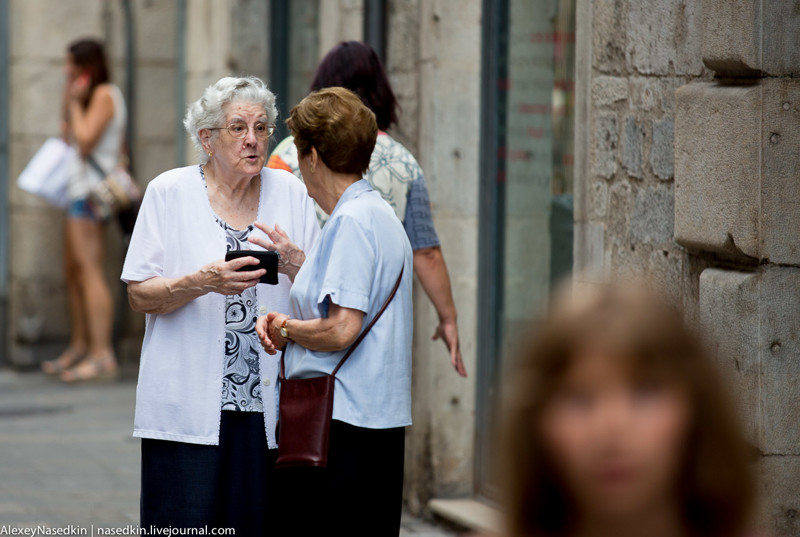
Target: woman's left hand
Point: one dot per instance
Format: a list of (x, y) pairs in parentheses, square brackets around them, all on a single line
[(268, 330), (292, 257)]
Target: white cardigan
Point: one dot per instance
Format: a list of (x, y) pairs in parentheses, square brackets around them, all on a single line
[(179, 393)]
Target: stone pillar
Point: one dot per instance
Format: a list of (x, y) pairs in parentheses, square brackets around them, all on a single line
[(737, 152), (433, 51)]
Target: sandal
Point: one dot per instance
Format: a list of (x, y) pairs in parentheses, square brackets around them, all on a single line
[(102, 369), (68, 358)]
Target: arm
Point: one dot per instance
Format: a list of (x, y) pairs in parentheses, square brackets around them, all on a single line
[(165, 295), (432, 273), (88, 125), (333, 333)]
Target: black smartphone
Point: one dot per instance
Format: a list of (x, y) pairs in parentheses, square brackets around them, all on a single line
[(266, 260)]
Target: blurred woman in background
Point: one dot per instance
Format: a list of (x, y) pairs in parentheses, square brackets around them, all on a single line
[(94, 124), (393, 172), (618, 425)]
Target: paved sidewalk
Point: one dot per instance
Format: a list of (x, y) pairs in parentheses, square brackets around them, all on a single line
[(67, 457)]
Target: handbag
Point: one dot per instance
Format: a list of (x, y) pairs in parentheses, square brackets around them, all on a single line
[(306, 408), (47, 173), (116, 193)]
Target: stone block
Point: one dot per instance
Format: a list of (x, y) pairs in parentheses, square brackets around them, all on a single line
[(633, 147), (208, 18), (780, 484), (36, 89), (155, 29), (449, 125), (662, 153), (607, 90), (729, 316), (43, 29), (38, 312), (780, 186), (153, 158), (652, 220), (606, 140), (589, 251), (608, 35), (750, 36), (344, 21), (250, 43), (598, 199), (736, 153), (155, 102), (664, 37), (32, 233), (779, 346), (717, 162), (403, 36)]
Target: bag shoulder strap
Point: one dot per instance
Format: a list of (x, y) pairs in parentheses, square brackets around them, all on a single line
[(363, 334), (93, 163)]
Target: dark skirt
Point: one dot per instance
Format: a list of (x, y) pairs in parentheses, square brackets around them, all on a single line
[(359, 493), (226, 486)]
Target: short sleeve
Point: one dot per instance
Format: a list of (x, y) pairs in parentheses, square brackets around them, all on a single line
[(350, 265), (145, 258), (419, 219)]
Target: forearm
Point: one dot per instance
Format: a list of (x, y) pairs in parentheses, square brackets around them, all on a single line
[(165, 295), (432, 273), (81, 130), (333, 333), (323, 335)]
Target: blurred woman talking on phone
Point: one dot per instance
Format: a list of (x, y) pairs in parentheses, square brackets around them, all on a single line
[(205, 402), (94, 117)]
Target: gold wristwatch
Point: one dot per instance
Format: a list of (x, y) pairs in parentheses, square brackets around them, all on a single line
[(283, 331)]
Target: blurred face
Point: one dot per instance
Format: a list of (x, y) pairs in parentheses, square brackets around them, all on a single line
[(617, 440), (71, 70), (236, 157)]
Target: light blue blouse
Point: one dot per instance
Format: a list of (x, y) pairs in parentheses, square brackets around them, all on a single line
[(355, 264)]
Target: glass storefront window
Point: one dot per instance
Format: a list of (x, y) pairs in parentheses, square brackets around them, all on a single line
[(526, 213)]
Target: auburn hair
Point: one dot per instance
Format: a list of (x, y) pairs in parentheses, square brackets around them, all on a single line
[(338, 125)]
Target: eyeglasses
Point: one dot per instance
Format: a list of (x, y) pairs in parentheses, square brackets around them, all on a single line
[(239, 129)]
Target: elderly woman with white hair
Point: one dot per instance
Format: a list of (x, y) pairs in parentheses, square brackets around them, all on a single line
[(206, 401)]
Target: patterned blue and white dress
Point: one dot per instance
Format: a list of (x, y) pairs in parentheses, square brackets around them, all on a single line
[(241, 379)]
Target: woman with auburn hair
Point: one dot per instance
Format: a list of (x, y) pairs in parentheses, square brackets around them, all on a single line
[(617, 424), (362, 254)]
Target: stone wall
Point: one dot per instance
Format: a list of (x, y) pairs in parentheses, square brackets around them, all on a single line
[(433, 61), (687, 172), (40, 31)]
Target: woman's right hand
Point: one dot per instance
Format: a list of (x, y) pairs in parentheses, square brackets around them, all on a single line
[(291, 256), (222, 277)]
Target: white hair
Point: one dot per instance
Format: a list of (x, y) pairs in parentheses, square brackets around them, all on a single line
[(206, 112)]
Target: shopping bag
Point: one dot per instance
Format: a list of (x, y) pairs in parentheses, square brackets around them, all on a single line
[(47, 174)]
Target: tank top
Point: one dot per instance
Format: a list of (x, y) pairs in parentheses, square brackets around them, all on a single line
[(106, 152)]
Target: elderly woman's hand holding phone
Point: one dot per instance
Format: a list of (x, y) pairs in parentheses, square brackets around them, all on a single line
[(205, 396)]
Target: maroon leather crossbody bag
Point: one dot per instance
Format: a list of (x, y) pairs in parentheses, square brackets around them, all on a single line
[(306, 408)]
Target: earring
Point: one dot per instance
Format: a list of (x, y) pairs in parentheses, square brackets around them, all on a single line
[(210, 154)]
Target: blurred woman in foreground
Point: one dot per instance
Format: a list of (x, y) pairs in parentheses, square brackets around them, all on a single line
[(618, 425)]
